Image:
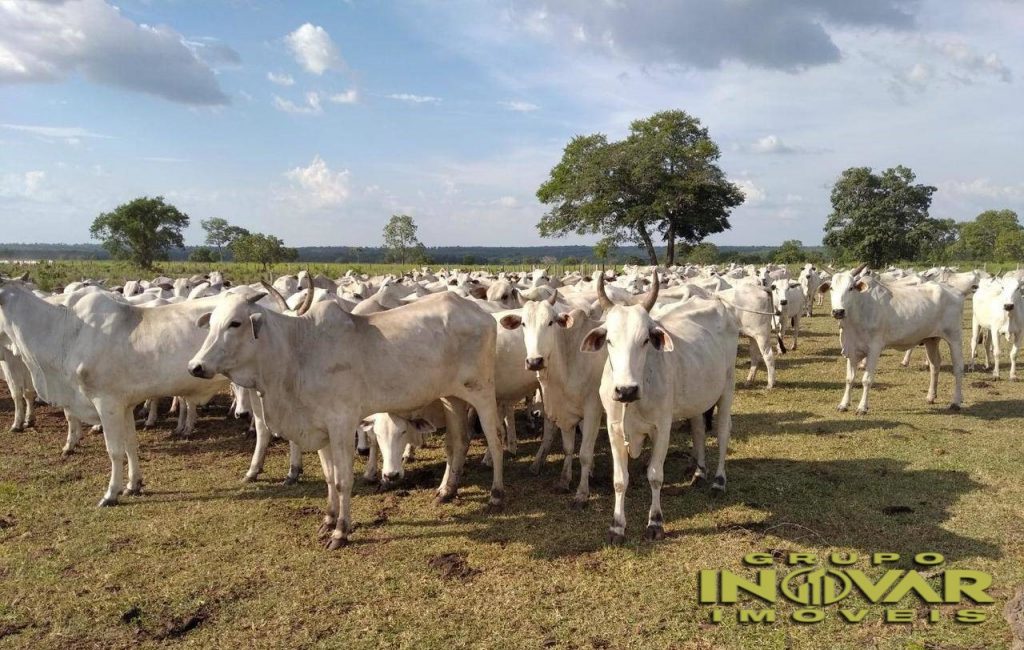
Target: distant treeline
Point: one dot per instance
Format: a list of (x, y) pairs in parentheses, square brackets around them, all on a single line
[(436, 255)]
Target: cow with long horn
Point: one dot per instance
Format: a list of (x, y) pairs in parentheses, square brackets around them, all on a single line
[(658, 371)]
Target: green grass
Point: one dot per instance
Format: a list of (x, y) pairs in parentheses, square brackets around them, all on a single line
[(207, 561)]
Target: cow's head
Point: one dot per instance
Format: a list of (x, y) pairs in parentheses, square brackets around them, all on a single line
[(780, 290), (541, 321), (504, 293), (1010, 296), (847, 289), (231, 347), (628, 333), (393, 433)]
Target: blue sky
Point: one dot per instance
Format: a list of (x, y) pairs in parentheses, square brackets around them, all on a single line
[(315, 121)]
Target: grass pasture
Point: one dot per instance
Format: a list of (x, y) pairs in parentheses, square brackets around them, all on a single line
[(205, 561)]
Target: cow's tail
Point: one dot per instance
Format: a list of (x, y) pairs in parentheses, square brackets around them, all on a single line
[(776, 319)]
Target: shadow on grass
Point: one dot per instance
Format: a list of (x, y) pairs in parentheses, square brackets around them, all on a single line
[(995, 409)]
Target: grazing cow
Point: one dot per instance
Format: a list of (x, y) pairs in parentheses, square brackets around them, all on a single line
[(395, 437), (788, 299), (662, 367), (98, 358), (322, 373), (569, 380), (873, 316), (999, 311)]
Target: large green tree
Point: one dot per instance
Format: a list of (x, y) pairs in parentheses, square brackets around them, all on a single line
[(991, 236), (400, 240), (262, 249), (879, 218), (661, 181), (142, 231), (790, 252)]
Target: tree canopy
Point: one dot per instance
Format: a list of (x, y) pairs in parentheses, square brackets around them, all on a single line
[(994, 235), (400, 240), (662, 180), (142, 230), (790, 252), (881, 218), (262, 249)]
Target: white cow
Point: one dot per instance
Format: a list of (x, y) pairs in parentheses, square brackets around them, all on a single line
[(320, 374), (999, 311), (789, 305), (873, 316), (19, 382), (663, 367), (809, 280)]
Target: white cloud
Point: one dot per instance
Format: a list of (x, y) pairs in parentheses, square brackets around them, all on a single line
[(311, 107), (48, 41), (771, 144), (984, 188), (72, 135), (751, 191), (25, 186), (519, 107), (970, 63), (316, 186), (415, 99), (507, 201), (313, 49), (350, 96), (281, 78)]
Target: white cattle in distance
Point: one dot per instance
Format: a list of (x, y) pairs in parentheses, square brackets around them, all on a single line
[(874, 316), (320, 374), (998, 312), (810, 279), (674, 364), (789, 305)]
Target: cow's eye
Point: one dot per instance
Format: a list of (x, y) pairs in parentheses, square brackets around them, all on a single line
[(233, 324), (550, 323), (646, 341)]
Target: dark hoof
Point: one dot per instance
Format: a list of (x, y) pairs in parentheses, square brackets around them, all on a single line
[(564, 487), (66, 452), (132, 491), (363, 452), (654, 533), (17, 429), (290, 480), (325, 529), (718, 487), (578, 504), (862, 411), (698, 481), (535, 469), (842, 409), (108, 503), (334, 543), (615, 539), (494, 507), (954, 407), (249, 479), (445, 497)]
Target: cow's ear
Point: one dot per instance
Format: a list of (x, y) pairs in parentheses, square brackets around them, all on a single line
[(423, 426), (824, 286), (794, 285), (565, 320), (661, 340), (861, 286), (478, 292), (366, 425), (204, 321), (257, 324), (511, 321), (594, 340)]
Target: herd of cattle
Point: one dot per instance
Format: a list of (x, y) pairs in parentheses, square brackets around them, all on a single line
[(371, 364)]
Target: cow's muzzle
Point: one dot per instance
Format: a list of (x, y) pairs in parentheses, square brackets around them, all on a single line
[(197, 370), (627, 393), (783, 302), (838, 314), (1008, 307), (534, 364)]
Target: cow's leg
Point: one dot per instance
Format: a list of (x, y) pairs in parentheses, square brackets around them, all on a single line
[(931, 349), (152, 411), (755, 360), (30, 405), (409, 455), (906, 357), (851, 374), (1013, 355), (796, 329), (620, 475), (188, 413), (131, 448), (294, 464), (74, 434), (456, 444), (590, 426), (18, 394), (867, 379), (988, 349), (487, 411), (656, 478), (956, 353), (370, 474), (569, 447), (115, 433), (362, 442), (697, 436), (175, 405), (996, 352), (331, 516), (975, 333), (342, 434), (547, 439), (263, 436), (724, 429), (768, 354), (511, 435)]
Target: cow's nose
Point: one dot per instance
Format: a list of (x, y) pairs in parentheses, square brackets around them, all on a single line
[(1008, 307), (838, 313), (535, 363), (627, 393), (196, 370), (783, 302), (391, 477)]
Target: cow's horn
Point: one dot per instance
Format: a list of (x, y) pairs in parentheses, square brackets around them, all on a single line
[(276, 295), (652, 297), (307, 302), (23, 277), (554, 297), (602, 297), (857, 271)]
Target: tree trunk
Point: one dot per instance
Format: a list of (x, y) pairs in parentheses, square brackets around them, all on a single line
[(670, 246), (648, 244)]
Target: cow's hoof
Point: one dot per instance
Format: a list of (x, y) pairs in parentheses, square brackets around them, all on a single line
[(325, 529), (616, 539), (486, 462), (698, 481), (17, 429), (132, 491), (954, 407), (862, 411), (842, 409), (535, 469), (290, 480), (250, 478), (564, 486), (363, 452), (444, 497), (334, 543), (718, 486), (106, 502), (494, 508), (64, 453), (654, 533), (579, 503), (929, 400)]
